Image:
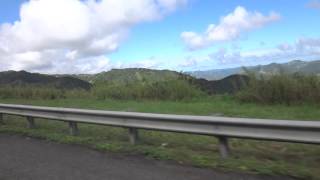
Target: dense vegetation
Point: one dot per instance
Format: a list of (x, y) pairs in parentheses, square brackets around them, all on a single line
[(282, 89), (133, 75), (141, 84), (31, 92), (166, 90), (116, 84)]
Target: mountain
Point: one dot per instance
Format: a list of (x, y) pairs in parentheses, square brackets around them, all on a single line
[(296, 66), (131, 75), (229, 84), (120, 77), (23, 78)]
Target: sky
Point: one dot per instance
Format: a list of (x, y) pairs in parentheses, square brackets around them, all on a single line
[(90, 36)]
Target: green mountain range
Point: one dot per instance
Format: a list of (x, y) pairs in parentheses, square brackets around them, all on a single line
[(143, 76), (213, 81), (121, 78), (130, 75), (23, 78)]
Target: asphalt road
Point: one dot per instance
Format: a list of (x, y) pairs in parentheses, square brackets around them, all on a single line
[(23, 158)]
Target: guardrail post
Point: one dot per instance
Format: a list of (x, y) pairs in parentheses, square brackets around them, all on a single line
[(133, 135), (73, 128), (1, 119), (223, 146), (31, 124)]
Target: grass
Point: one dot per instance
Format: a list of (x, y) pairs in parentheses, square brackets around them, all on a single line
[(263, 157)]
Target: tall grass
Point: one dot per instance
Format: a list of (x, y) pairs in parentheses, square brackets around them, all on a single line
[(28, 92), (274, 89), (282, 89), (166, 90), (40, 92)]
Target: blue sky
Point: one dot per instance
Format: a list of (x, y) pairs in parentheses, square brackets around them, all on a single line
[(173, 34)]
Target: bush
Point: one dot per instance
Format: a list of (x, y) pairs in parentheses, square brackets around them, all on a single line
[(281, 89)]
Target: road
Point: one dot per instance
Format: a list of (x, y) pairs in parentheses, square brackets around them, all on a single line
[(24, 158)]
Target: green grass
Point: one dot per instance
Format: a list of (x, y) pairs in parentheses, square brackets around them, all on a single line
[(297, 160)]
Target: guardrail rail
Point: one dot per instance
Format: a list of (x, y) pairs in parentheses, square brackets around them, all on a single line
[(220, 127)]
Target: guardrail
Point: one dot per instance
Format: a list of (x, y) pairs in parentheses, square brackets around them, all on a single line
[(220, 127)]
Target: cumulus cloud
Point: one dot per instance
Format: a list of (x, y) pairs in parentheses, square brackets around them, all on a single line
[(229, 28), (73, 32)]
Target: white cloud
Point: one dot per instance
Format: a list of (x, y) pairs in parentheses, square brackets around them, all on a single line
[(303, 48), (44, 63), (191, 61), (26, 60), (151, 62), (229, 28), (142, 64), (53, 32)]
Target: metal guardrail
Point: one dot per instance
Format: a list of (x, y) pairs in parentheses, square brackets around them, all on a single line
[(221, 127)]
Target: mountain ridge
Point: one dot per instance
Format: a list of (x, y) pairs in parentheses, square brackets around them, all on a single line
[(121, 78), (229, 81), (291, 67), (24, 78), (132, 75)]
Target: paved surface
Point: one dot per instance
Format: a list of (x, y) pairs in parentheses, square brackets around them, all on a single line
[(25, 158)]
